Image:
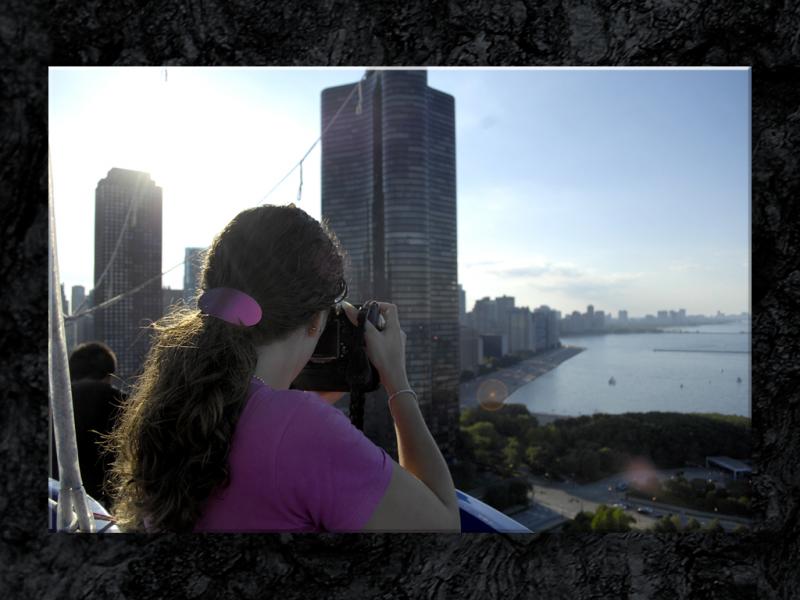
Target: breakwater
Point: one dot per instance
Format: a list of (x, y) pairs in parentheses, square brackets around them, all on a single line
[(701, 351), (505, 382)]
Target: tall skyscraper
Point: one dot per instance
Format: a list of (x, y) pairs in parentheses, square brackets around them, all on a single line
[(191, 274), (462, 305), (389, 193), (78, 294), (127, 253), (485, 311), (82, 329)]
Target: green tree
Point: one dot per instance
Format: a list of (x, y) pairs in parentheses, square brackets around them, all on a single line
[(487, 444), (582, 523), (667, 525), (607, 520), (713, 526), (507, 493), (692, 525)]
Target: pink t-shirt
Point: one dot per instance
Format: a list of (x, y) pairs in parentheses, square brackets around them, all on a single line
[(297, 464)]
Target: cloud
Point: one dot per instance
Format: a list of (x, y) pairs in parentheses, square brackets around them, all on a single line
[(483, 263), (537, 271), (559, 277)]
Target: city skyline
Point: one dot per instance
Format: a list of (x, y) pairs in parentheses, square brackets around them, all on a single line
[(624, 188)]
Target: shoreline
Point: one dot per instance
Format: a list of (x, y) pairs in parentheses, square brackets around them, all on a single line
[(519, 375)]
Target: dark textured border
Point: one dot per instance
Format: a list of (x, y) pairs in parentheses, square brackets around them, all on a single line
[(40, 565)]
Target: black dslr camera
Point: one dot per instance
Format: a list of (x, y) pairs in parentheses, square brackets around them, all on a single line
[(339, 362)]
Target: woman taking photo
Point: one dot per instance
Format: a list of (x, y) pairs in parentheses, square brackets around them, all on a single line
[(213, 439)]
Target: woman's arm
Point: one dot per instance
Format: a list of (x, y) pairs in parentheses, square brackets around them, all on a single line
[(421, 495)]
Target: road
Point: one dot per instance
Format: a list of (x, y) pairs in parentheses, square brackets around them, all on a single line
[(569, 498)]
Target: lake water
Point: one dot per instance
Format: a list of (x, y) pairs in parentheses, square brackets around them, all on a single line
[(648, 380)]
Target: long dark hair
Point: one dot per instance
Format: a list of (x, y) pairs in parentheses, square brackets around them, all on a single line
[(172, 442)]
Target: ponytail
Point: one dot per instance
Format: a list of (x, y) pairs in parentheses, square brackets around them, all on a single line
[(173, 439)]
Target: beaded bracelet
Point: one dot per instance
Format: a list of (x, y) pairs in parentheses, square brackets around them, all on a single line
[(408, 390)]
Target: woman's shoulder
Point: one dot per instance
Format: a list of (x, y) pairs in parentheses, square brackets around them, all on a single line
[(302, 403)]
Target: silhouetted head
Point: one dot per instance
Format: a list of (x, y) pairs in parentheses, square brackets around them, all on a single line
[(92, 360)]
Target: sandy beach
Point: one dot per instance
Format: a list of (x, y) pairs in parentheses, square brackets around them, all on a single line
[(502, 383)]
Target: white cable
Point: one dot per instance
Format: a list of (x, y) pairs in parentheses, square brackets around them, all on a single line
[(119, 297), (324, 131), (71, 497)]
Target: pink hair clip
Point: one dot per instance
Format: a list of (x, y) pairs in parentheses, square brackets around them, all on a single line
[(230, 305)]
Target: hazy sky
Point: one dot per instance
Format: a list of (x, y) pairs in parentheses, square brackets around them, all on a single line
[(623, 188)]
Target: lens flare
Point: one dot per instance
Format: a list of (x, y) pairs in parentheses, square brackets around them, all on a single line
[(642, 472), (491, 394)]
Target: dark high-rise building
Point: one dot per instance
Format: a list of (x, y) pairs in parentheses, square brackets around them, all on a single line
[(505, 304), (521, 326), (462, 305), (389, 193), (127, 253), (192, 267), (471, 349), (485, 313), (78, 294), (80, 330)]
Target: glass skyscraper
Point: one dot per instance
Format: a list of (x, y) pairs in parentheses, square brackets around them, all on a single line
[(127, 252), (389, 193)]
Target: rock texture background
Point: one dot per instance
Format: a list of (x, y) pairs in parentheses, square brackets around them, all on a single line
[(35, 34)]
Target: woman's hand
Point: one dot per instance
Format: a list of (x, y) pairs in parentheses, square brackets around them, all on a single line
[(386, 349)]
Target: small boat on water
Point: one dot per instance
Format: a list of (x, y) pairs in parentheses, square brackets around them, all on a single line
[(612, 381), (738, 380)]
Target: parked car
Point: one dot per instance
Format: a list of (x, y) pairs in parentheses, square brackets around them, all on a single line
[(645, 510), (622, 486)]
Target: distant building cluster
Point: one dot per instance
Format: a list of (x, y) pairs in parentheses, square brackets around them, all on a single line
[(589, 321), (496, 327), (597, 321)]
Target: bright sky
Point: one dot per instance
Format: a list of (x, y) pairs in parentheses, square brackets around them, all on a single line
[(623, 188)]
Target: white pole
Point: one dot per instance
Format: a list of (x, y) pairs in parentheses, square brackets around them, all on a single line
[(71, 497)]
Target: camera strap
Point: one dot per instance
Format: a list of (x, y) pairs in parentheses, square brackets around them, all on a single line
[(358, 373)]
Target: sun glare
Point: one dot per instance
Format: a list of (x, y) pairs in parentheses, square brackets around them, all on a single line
[(213, 150)]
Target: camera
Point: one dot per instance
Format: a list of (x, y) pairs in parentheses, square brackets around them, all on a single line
[(339, 362)]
